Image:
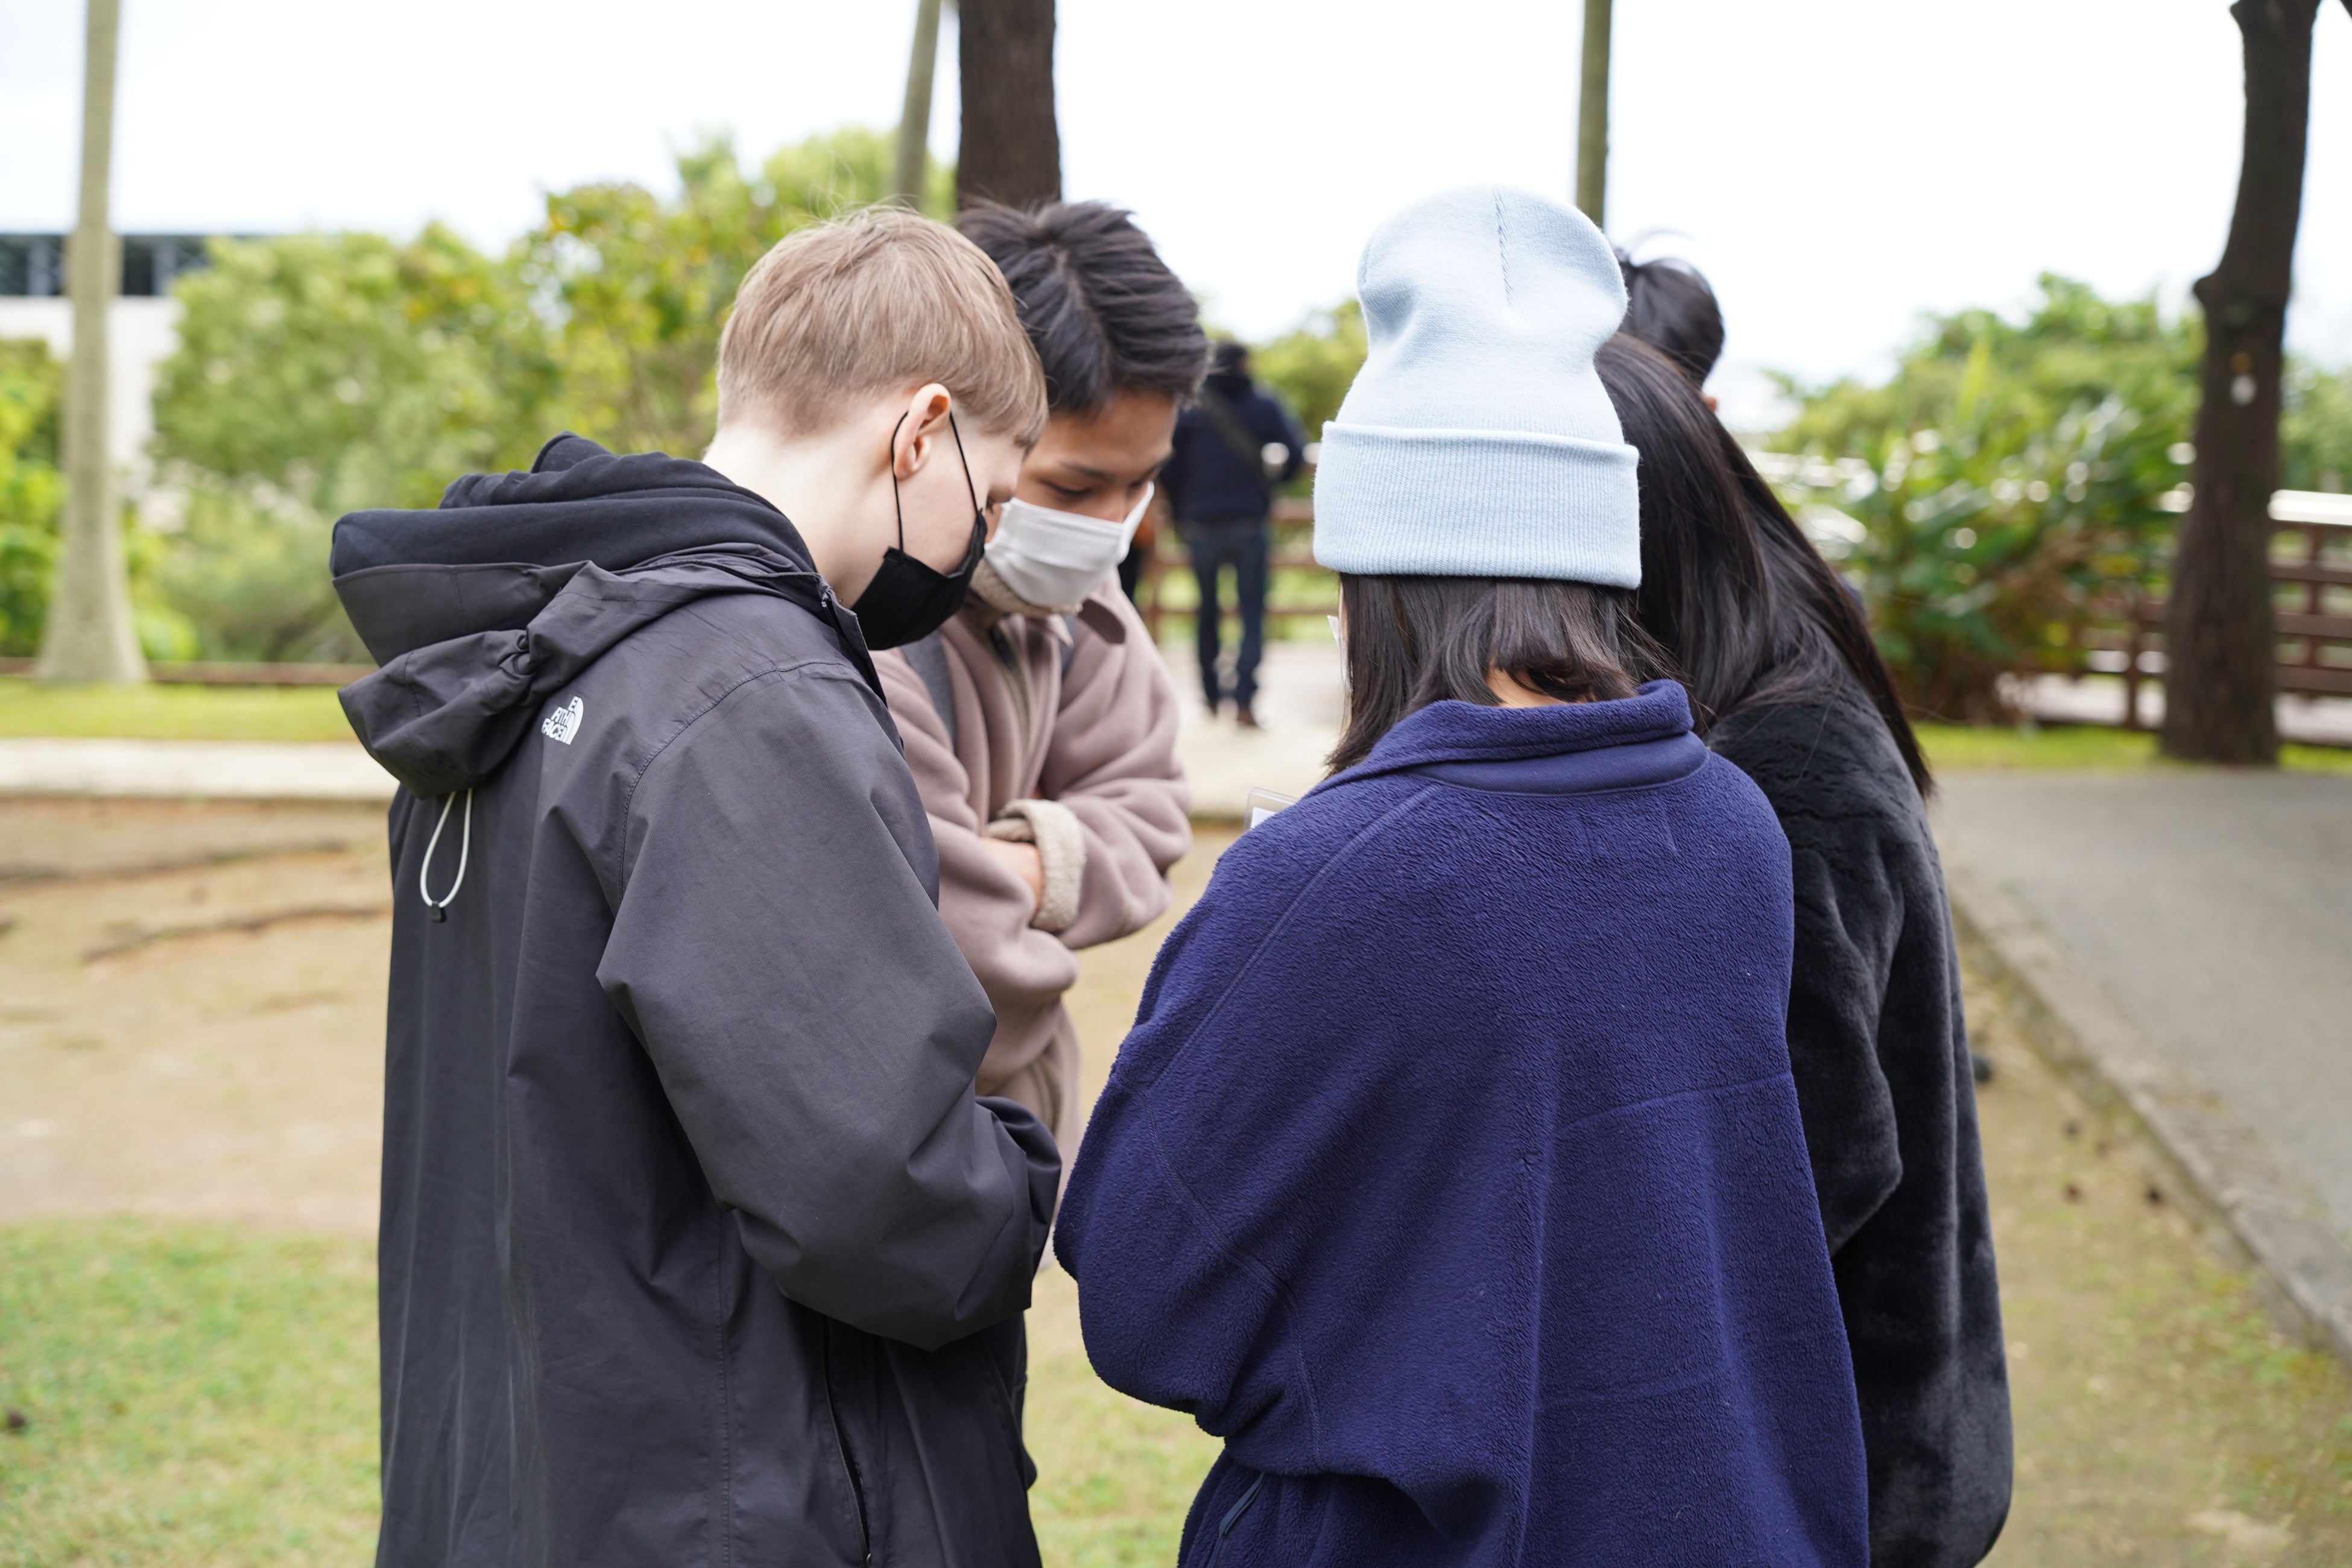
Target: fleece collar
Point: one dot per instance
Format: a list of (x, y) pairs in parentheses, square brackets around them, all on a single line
[(1441, 737)]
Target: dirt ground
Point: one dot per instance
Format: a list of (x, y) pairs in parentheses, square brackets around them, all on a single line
[(191, 1005), (191, 1011)]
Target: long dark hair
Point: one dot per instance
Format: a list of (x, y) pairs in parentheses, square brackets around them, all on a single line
[(1730, 586), (1414, 640)]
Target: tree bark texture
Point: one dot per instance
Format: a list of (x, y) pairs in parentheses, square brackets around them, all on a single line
[(1593, 115), (915, 120), (2221, 641), (88, 634), (1011, 150)]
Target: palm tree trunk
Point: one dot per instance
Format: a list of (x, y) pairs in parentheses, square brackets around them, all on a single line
[(88, 634), (1012, 149), (1593, 115), (915, 120)]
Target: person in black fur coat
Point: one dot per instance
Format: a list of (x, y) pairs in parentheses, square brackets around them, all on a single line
[(1781, 664)]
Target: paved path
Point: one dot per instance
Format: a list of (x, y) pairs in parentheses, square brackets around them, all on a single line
[(2215, 910), (1299, 705), (215, 769)]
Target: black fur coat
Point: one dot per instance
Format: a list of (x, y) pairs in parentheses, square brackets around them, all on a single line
[(1880, 1052)]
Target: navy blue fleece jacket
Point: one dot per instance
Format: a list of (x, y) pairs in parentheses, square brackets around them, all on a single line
[(1452, 1173)]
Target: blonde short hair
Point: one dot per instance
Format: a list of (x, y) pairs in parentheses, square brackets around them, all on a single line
[(881, 300)]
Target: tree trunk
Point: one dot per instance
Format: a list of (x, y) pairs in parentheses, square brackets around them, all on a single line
[(2221, 642), (88, 634), (915, 120), (1010, 150), (1593, 115)]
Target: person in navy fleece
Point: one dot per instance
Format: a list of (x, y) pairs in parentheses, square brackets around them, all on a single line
[(1454, 1174)]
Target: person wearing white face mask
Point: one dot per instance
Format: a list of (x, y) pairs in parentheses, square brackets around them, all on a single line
[(1039, 722)]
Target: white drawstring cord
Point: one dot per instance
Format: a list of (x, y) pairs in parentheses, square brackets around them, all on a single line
[(464, 847)]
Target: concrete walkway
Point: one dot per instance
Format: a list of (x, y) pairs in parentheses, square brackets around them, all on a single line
[(213, 770), (2214, 909), (1298, 703)]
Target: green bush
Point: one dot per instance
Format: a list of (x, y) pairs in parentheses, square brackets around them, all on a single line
[(2316, 430), (1313, 364), (1994, 496), (30, 490)]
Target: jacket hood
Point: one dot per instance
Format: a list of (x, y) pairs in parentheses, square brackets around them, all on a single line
[(480, 609)]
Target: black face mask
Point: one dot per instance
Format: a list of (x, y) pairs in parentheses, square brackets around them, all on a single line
[(908, 600)]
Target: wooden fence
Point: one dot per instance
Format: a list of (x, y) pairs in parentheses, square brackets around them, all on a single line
[(2311, 577), (1292, 557)]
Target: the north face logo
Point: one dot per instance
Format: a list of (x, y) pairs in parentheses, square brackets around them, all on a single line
[(564, 722)]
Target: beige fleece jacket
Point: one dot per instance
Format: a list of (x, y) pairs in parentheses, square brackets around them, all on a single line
[(1063, 734)]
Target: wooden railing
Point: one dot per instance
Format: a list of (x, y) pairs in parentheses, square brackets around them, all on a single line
[(2311, 555), (1293, 553)]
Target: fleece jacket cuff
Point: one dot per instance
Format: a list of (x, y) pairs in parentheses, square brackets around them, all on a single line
[(1061, 844)]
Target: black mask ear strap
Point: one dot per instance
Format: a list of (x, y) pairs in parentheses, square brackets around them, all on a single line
[(968, 487), (895, 508)]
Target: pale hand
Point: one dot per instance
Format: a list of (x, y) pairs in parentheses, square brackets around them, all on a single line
[(1023, 862)]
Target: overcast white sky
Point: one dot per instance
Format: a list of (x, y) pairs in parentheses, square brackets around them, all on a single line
[(1836, 166)]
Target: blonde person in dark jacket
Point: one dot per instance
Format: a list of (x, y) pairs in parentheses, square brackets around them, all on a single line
[(1039, 721), (697, 1247)]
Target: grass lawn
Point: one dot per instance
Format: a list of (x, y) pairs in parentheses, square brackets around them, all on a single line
[(172, 713), (188, 1395), (206, 1394), (312, 714), (1958, 747)]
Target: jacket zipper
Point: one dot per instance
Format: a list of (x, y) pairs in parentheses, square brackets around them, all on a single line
[(1233, 1517), (849, 1466)]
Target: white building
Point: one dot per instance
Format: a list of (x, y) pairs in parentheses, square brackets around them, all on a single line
[(143, 325)]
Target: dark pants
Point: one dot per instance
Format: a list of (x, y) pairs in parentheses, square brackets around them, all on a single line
[(1243, 545)]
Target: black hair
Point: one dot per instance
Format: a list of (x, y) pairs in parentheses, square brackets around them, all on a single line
[(1730, 586), (1414, 640), (1228, 357), (1103, 312), (1669, 306)]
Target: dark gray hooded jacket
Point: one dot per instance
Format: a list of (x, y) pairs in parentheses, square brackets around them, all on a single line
[(697, 1247)]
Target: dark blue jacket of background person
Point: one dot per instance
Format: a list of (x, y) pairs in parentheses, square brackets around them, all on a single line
[(1452, 1172), (1205, 479)]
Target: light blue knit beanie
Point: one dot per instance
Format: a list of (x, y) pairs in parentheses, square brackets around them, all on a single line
[(1477, 441)]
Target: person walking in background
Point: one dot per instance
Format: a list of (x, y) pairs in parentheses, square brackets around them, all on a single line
[(697, 1247), (1778, 660), (1453, 1173), (1232, 448), (1040, 722)]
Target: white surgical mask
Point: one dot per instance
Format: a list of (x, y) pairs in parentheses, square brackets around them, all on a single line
[(1054, 559)]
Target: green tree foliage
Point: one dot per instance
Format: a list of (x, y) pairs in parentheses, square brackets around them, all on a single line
[(342, 371), (1993, 497), (1313, 364), (638, 285), (2016, 482), (30, 490), (318, 373), (2316, 430)]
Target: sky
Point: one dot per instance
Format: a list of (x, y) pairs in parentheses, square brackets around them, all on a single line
[(1836, 167)]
